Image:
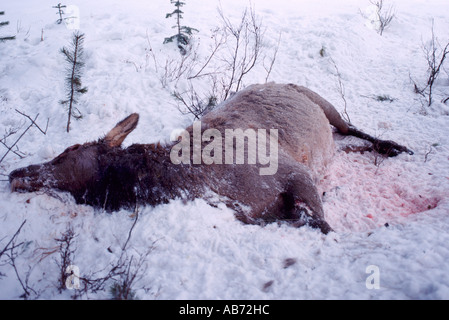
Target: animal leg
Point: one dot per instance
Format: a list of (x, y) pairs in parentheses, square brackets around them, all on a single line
[(300, 203), (387, 147), (298, 214)]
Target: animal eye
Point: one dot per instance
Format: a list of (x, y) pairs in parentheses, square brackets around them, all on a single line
[(72, 148), (63, 155)]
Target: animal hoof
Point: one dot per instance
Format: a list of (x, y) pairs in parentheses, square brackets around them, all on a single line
[(324, 227), (390, 148)]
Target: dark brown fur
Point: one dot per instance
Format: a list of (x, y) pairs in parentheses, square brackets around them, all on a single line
[(103, 174)]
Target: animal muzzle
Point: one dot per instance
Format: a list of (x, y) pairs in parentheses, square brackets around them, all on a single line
[(26, 179)]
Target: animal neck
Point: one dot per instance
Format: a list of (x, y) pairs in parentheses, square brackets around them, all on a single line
[(144, 174)]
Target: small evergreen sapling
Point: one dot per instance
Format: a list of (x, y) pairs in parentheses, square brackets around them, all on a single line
[(2, 24), (74, 58), (184, 33), (60, 12)]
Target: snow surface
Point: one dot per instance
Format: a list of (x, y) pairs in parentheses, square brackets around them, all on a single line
[(393, 215)]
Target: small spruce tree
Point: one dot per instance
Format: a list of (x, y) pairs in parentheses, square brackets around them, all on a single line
[(2, 24), (74, 58), (184, 33), (60, 12)]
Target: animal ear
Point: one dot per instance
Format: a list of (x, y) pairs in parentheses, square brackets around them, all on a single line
[(115, 137)]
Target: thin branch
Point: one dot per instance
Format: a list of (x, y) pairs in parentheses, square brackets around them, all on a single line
[(245, 52), (3, 141), (6, 248), (214, 51), (15, 152), (66, 255), (273, 59), (152, 52), (385, 17), (26, 288), (435, 61), (342, 90), (428, 153), (20, 137), (136, 214), (34, 122)]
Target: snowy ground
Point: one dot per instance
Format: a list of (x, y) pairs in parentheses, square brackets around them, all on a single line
[(393, 215)]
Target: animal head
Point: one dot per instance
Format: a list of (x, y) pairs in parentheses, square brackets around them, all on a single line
[(77, 168)]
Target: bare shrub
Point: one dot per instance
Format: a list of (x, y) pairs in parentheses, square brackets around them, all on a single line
[(384, 15), (243, 48), (11, 253), (66, 254), (435, 56), (189, 102), (199, 82), (120, 276), (341, 89), (238, 49), (13, 147)]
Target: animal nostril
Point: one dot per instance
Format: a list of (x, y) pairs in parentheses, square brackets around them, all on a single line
[(24, 185), (13, 175), (15, 184), (24, 178)]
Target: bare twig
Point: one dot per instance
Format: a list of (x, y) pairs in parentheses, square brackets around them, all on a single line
[(124, 272), (434, 66), (3, 142), (193, 104), (427, 154), (23, 283), (135, 65), (384, 16), (341, 88), (430, 151), (215, 49), (255, 33), (380, 98), (150, 49), (9, 251), (245, 50), (136, 216), (435, 57), (18, 139), (236, 50), (66, 253), (60, 12), (6, 248), (122, 289), (33, 123), (174, 70), (273, 59)]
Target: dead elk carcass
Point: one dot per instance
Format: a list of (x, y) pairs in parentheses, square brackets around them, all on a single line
[(105, 175)]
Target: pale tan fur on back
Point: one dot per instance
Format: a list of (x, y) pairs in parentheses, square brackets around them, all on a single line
[(304, 131)]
